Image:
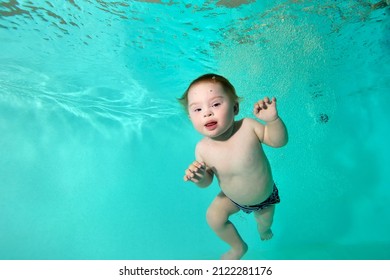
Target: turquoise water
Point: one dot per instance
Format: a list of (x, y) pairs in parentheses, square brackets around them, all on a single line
[(93, 144)]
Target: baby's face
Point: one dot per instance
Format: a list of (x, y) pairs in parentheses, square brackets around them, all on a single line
[(210, 109)]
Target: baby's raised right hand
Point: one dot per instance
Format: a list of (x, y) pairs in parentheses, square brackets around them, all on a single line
[(195, 172)]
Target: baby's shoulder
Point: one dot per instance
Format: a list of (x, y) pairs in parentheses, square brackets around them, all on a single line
[(201, 145), (250, 123), (254, 127), (202, 149), (247, 121)]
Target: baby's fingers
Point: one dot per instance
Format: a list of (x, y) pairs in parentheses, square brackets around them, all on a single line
[(189, 175), (264, 104), (266, 100), (195, 171), (186, 178), (197, 166), (260, 105)]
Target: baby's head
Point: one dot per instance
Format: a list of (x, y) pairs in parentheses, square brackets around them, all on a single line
[(226, 85)]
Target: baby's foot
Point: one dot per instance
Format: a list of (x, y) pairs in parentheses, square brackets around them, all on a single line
[(266, 235), (235, 253)]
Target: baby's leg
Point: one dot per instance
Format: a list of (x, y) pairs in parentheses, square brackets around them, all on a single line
[(217, 218), (264, 220)]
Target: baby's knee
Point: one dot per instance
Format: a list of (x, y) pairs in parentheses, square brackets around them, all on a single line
[(215, 218)]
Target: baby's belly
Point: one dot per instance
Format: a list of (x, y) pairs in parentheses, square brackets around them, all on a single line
[(248, 192)]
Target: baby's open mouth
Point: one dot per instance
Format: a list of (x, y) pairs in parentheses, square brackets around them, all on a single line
[(210, 124)]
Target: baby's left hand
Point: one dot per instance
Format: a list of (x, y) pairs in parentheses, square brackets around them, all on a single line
[(265, 109)]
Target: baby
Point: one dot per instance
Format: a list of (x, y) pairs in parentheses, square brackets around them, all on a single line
[(232, 152)]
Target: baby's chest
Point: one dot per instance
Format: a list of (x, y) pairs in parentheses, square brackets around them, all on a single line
[(234, 158)]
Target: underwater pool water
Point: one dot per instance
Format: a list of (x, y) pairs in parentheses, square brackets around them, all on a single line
[(93, 144)]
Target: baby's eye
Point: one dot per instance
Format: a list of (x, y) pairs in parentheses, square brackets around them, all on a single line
[(216, 104), (197, 109)]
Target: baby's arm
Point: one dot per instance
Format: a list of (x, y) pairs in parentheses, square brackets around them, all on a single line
[(198, 172), (274, 133)]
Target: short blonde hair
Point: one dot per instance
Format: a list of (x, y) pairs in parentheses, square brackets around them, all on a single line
[(226, 85)]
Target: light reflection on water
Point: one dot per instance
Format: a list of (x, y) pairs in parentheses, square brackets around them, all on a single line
[(125, 61), (129, 105)]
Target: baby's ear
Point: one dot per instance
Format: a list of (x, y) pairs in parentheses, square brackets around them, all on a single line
[(236, 108)]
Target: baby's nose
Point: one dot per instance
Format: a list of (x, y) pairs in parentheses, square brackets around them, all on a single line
[(208, 113)]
